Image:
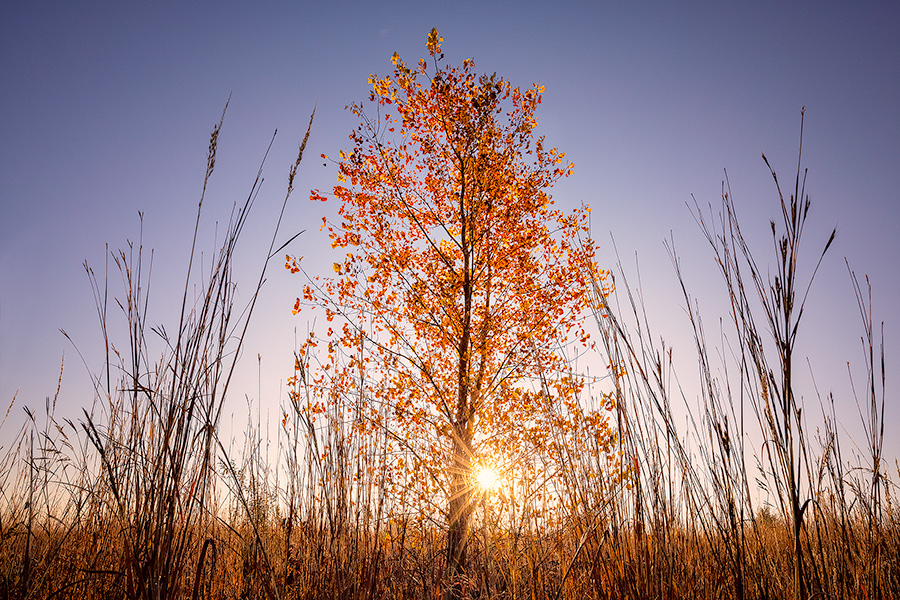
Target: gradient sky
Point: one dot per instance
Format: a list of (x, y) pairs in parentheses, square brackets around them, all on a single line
[(106, 109)]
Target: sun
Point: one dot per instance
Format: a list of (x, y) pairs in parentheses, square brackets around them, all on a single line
[(488, 479)]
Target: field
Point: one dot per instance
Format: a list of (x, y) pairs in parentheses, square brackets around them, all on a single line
[(141, 498)]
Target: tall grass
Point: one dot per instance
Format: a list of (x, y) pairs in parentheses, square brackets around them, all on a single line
[(142, 499), (823, 538)]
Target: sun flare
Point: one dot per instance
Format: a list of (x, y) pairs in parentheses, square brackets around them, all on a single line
[(488, 479)]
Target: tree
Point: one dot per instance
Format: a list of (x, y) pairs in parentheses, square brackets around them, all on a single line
[(460, 284)]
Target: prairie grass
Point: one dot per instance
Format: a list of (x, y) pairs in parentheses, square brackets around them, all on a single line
[(141, 498)]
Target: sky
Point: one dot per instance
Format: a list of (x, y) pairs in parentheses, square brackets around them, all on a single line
[(106, 110)]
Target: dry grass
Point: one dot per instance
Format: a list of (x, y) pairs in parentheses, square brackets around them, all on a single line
[(140, 499)]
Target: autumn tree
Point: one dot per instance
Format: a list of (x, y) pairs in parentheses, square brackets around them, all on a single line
[(459, 284)]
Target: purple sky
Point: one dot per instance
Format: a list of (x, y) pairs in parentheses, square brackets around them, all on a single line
[(106, 110)]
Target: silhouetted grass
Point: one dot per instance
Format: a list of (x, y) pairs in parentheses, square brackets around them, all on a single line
[(141, 498)]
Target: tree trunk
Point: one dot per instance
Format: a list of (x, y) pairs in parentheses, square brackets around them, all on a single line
[(461, 507)]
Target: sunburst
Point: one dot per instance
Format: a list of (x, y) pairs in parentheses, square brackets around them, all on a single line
[(488, 479)]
